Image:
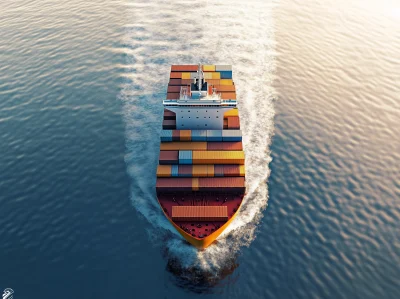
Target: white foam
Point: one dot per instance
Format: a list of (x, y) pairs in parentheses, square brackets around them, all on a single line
[(159, 34)]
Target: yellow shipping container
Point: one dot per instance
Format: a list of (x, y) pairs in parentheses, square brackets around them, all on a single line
[(232, 112), (208, 76), (226, 82), (216, 75), (199, 170), (242, 170), (209, 68), (185, 76), (163, 170), (176, 146), (195, 184), (218, 157), (210, 170)]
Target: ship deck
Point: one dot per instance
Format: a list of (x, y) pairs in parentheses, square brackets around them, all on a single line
[(200, 229)]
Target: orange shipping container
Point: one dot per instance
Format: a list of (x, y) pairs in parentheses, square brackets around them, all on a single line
[(210, 170), (199, 170), (233, 122), (228, 95), (176, 75), (176, 146), (225, 88), (213, 81), (195, 184), (185, 135), (184, 68), (163, 170)]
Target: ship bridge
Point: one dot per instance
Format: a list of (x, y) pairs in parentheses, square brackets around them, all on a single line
[(199, 105)]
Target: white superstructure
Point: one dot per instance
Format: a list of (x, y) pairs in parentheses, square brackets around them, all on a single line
[(198, 106)]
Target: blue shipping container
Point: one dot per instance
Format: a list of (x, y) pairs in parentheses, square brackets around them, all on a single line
[(226, 74), (232, 135), (185, 157), (174, 170), (214, 135), (166, 135), (199, 135)]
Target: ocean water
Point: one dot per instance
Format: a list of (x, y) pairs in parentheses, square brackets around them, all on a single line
[(81, 85)]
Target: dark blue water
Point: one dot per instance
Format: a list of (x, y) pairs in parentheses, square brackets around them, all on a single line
[(80, 91)]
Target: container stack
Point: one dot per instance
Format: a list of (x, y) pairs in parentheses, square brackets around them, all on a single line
[(201, 160)]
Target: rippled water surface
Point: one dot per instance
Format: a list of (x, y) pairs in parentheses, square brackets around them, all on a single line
[(81, 85)]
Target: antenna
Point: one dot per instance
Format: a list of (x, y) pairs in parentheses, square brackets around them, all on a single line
[(200, 77)]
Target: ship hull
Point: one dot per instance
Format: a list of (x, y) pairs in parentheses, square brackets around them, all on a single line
[(204, 242)]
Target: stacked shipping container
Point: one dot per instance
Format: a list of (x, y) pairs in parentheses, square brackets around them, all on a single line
[(201, 160)]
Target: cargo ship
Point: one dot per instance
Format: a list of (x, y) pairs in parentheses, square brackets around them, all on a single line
[(200, 175)]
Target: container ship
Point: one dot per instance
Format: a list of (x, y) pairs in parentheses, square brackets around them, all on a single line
[(201, 176)]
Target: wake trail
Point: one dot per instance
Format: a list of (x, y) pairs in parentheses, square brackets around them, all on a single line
[(161, 33)]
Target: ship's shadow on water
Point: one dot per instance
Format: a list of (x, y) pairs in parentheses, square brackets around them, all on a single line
[(197, 280)]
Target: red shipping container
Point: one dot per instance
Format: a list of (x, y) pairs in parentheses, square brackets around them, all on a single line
[(224, 184), (176, 136), (173, 184), (186, 82), (219, 170), (231, 170), (172, 88), (169, 124), (225, 146), (233, 122), (175, 75), (169, 114), (173, 96), (185, 170), (184, 68), (177, 82), (169, 157), (200, 213)]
